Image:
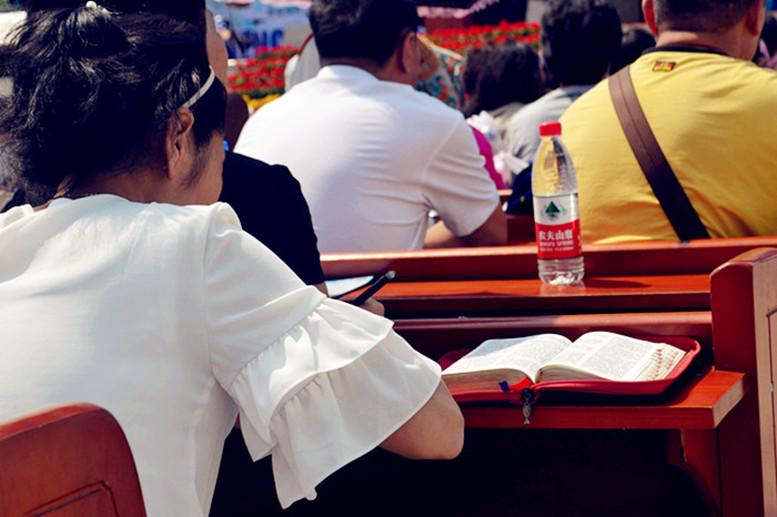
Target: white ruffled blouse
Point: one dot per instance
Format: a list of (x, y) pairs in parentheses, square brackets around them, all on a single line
[(175, 320)]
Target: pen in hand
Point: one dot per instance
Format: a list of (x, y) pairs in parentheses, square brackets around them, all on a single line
[(374, 288)]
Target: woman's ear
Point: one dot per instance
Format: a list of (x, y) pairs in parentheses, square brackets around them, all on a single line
[(179, 145)]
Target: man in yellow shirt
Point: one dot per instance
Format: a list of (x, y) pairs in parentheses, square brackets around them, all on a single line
[(713, 113)]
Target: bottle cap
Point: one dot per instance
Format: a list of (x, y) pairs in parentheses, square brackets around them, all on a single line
[(550, 129)]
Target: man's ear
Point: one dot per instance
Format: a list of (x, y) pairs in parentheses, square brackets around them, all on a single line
[(178, 144), (755, 18), (649, 11), (408, 52)]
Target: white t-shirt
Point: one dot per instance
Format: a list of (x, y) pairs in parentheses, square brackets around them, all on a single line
[(303, 66), (175, 320), (373, 158)]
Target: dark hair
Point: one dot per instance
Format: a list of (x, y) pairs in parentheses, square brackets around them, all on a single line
[(93, 92), (510, 73), (769, 33), (190, 11), (580, 39), (700, 15), (362, 29), (475, 61), (635, 41)]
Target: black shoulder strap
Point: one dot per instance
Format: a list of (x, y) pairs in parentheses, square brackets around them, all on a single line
[(651, 158)]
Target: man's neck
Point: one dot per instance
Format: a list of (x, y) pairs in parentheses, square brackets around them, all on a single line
[(385, 73), (722, 43), (364, 64)]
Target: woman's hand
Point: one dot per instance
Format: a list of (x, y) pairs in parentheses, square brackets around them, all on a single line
[(374, 306)]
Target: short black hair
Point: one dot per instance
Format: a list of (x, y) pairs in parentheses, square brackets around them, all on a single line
[(580, 39), (635, 41), (190, 11), (506, 74), (769, 33), (475, 61), (700, 15), (94, 91), (362, 29)]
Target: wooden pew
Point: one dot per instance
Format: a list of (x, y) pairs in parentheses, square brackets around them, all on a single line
[(744, 304), (511, 297), (68, 460), (689, 418), (520, 262), (722, 424), (653, 276), (436, 337)]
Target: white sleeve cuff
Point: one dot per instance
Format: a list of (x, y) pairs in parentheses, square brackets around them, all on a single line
[(327, 392)]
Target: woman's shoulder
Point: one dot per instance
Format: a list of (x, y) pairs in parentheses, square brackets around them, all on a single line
[(196, 215), (194, 227), (107, 214), (164, 217)]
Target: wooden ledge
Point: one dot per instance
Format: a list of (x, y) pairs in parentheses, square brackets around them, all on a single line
[(531, 296), (702, 404)]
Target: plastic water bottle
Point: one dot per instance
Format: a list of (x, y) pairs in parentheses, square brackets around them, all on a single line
[(556, 211)]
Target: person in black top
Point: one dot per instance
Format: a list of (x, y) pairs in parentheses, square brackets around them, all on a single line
[(271, 207)]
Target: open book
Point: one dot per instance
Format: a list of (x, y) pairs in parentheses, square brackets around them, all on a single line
[(550, 357)]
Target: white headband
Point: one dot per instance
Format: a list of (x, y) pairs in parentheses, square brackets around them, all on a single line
[(202, 91), (91, 4)]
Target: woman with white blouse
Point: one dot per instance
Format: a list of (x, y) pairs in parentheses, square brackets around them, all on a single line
[(131, 290)]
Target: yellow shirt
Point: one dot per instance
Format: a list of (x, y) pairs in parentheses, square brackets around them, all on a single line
[(715, 118)]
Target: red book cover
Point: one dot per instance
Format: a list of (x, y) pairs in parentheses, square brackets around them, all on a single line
[(527, 391)]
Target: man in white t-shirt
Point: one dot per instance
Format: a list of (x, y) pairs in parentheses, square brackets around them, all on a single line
[(374, 156)]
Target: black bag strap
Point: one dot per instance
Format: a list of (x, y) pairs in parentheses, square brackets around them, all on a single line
[(652, 161)]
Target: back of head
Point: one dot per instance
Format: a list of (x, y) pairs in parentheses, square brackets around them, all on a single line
[(769, 34), (475, 62), (712, 16), (368, 30), (509, 73), (580, 39), (190, 11), (635, 41), (94, 91)]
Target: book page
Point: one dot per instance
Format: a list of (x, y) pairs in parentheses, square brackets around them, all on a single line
[(343, 286), (604, 355), (526, 355)]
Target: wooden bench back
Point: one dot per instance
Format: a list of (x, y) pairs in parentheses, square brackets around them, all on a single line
[(634, 259), (739, 334), (70, 461), (435, 337), (687, 422), (744, 322)]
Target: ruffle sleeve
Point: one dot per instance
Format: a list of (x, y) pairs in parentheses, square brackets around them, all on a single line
[(332, 388), (318, 382)]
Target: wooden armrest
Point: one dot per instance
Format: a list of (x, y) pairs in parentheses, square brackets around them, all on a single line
[(702, 404)]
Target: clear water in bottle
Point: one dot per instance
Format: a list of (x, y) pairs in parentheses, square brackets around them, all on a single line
[(556, 211)]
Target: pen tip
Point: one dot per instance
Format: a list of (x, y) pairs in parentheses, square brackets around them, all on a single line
[(391, 275)]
